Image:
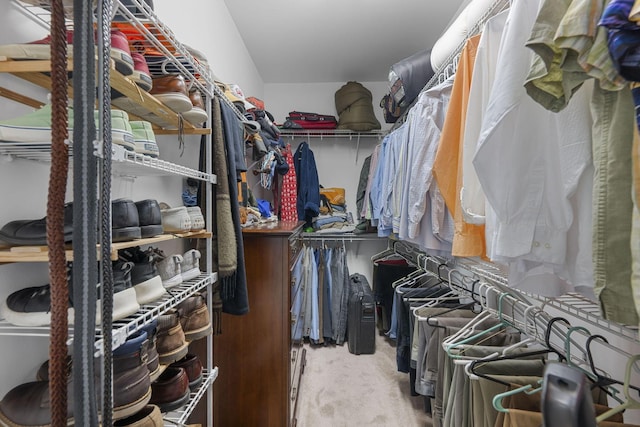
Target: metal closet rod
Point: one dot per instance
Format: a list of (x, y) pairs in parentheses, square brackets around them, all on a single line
[(545, 319)]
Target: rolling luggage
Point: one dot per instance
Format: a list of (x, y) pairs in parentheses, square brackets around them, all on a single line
[(361, 318)]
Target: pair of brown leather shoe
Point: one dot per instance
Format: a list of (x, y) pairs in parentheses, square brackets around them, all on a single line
[(172, 389), (28, 404), (172, 91), (189, 321)]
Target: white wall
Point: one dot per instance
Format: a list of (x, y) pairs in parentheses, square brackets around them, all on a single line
[(319, 98), (339, 160), (206, 25)]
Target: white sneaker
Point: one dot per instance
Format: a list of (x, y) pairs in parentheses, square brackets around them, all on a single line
[(190, 266), (175, 220), (197, 219), (169, 268)]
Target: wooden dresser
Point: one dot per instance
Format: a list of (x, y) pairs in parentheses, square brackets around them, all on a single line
[(259, 367)]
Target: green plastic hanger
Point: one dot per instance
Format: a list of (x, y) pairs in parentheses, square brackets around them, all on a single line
[(527, 389), (450, 346)]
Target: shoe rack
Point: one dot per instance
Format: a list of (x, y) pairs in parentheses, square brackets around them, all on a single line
[(153, 34)]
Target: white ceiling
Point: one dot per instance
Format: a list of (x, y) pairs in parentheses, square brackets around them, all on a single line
[(316, 41)]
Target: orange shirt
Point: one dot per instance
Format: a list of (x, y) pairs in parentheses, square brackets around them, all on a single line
[(468, 239)]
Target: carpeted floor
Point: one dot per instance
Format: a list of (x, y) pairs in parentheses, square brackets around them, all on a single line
[(343, 389)]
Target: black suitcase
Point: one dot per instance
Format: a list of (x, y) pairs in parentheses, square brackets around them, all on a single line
[(361, 317)]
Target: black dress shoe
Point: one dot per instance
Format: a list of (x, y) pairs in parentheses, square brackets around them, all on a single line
[(34, 231), (125, 223), (124, 226), (150, 217)]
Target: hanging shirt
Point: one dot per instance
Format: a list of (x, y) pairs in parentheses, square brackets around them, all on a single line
[(468, 239), (529, 160), (427, 119), (472, 198)]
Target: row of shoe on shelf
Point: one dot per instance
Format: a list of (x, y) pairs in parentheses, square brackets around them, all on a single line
[(140, 277), (149, 69), (129, 221), (153, 373)]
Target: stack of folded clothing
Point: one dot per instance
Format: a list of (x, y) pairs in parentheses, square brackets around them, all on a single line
[(333, 217)]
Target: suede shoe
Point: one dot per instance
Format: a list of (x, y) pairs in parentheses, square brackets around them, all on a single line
[(171, 390), (125, 222), (190, 266), (168, 267), (171, 90), (144, 139), (193, 367), (145, 278), (194, 317), (171, 343), (149, 217), (149, 416)]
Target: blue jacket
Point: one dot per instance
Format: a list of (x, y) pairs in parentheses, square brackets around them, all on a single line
[(308, 200)]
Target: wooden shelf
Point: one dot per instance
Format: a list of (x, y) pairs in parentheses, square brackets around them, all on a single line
[(137, 102), (11, 254)]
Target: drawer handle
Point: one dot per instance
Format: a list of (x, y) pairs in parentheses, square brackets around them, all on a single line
[(293, 355), (294, 391)]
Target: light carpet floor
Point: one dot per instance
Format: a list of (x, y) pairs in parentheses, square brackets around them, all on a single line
[(343, 389)]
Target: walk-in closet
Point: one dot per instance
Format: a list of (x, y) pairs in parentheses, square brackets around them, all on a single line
[(308, 214)]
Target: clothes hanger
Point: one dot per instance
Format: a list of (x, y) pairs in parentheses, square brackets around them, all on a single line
[(630, 403), (460, 340), (472, 366), (547, 336), (527, 389), (567, 349), (601, 381)]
